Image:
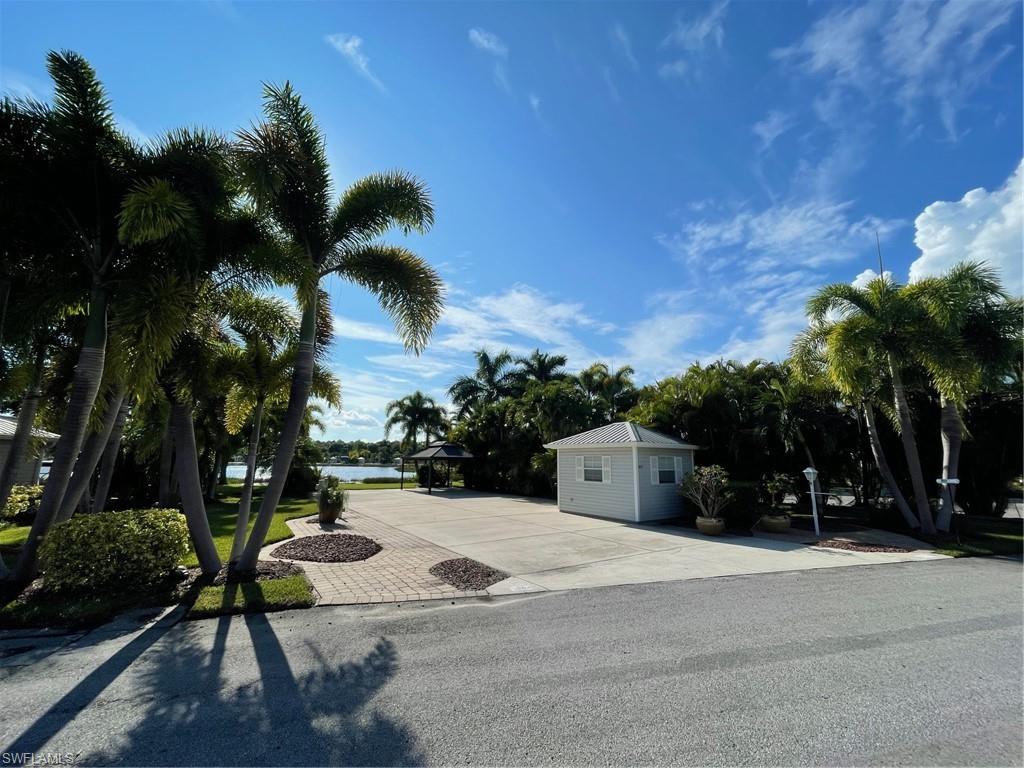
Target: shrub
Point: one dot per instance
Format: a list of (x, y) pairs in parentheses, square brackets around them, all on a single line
[(114, 551), (382, 480), (776, 487), (22, 503), (708, 488)]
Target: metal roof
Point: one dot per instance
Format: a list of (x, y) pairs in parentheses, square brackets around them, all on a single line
[(621, 433), (9, 425), (441, 450)]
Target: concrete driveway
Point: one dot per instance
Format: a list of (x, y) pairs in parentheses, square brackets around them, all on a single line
[(544, 549)]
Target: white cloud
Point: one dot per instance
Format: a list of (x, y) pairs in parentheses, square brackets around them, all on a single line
[(907, 53), (865, 277), (22, 86), (652, 345), (494, 46), (426, 365), (674, 69), (488, 42), (347, 328), (350, 46), (535, 106), (519, 318), (812, 232), (624, 45), (701, 32), (774, 125), (609, 81), (343, 419), (131, 129), (981, 226)]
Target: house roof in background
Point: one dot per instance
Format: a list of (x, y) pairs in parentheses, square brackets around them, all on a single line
[(621, 433), (9, 425)]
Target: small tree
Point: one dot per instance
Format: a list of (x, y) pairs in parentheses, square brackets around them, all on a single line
[(708, 488)]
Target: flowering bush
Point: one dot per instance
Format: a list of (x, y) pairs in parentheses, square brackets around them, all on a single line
[(708, 488), (23, 502)]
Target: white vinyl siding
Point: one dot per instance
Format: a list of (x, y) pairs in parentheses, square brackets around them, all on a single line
[(25, 473), (610, 492), (661, 470)]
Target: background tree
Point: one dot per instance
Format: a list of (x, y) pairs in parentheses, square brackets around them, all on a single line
[(413, 414), (495, 378)]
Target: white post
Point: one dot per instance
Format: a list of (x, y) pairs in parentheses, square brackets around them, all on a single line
[(812, 474)]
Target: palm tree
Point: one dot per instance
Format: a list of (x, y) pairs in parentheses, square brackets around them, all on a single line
[(90, 168), (970, 305), (493, 380), (415, 413), (260, 374), (284, 162), (882, 321), (609, 392), (542, 367)]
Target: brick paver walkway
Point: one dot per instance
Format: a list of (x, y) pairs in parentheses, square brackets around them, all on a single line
[(398, 573)]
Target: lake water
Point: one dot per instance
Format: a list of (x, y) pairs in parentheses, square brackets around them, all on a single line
[(349, 474)]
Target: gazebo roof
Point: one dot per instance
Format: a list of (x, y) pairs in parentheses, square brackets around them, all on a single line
[(441, 450)]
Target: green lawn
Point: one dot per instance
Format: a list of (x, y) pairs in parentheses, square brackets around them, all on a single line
[(223, 513), (273, 595), (982, 544)]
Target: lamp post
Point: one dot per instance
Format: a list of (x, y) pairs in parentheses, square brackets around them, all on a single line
[(812, 474)]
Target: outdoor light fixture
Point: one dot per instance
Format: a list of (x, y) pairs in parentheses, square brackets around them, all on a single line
[(812, 474)]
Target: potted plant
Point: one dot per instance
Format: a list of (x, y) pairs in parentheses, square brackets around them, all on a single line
[(708, 489), (331, 500), (776, 519)]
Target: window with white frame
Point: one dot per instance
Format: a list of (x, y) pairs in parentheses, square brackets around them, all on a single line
[(666, 470), (594, 469)]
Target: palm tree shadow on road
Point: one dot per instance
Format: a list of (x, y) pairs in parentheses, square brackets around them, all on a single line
[(194, 710)]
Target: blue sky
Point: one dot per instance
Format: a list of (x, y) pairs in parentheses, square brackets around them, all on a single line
[(649, 184)]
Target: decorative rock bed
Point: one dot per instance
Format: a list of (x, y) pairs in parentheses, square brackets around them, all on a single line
[(463, 573), (329, 548), (856, 546)]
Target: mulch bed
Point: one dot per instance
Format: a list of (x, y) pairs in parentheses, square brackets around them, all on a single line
[(266, 570), (854, 546), (463, 573), (329, 548)]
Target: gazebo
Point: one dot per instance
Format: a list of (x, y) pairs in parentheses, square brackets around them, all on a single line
[(437, 451)]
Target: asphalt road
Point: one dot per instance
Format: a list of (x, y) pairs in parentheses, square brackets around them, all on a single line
[(916, 663)]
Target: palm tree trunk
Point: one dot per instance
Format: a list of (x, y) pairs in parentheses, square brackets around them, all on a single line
[(84, 388), (214, 477), (245, 503), (924, 512), (164, 498), (90, 457), (884, 469), (191, 488), (107, 463), (810, 461), (23, 429), (952, 436), (302, 379)]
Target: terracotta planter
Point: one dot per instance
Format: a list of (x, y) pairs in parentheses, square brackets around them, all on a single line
[(775, 523), (328, 513), (710, 526)]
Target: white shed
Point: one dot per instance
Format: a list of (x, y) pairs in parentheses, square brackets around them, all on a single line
[(27, 471), (622, 471)]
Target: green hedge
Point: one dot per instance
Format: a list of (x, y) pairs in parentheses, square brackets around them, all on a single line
[(125, 550), (23, 502)]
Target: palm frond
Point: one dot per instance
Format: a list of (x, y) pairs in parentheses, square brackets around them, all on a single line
[(408, 288), (376, 203), (154, 210)]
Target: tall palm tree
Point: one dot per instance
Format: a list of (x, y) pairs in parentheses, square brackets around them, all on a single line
[(284, 161), (882, 321), (415, 413), (542, 367), (90, 169), (494, 379), (970, 305)]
